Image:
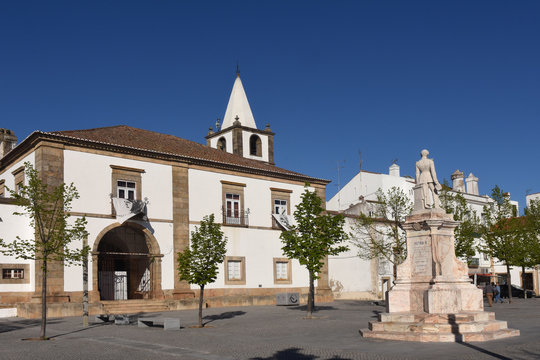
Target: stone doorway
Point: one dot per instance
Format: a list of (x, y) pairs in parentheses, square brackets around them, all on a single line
[(128, 264)]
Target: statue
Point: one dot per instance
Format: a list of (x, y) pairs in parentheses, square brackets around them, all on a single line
[(427, 178)]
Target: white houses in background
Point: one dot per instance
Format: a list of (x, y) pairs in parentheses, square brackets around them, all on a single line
[(352, 277), (143, 193)]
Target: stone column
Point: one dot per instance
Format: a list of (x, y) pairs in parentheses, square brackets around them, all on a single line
[(49, 162), (180, 184)]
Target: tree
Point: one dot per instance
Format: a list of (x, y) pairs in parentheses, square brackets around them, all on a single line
[(527, 252), (500, 232), (198, 264), (380, 234), (467, 232), (315, 236), (48, 209)]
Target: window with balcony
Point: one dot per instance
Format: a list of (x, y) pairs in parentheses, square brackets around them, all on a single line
[(233, 204), (281, 207), (126, 184)]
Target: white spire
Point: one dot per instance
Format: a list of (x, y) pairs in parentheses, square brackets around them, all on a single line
[(238, 107)]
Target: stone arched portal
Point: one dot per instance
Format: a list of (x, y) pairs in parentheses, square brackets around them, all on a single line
[(126, 264)]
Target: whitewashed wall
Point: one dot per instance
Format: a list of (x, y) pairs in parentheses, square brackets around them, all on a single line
[(92, 175), (12, 226), (258, 246)]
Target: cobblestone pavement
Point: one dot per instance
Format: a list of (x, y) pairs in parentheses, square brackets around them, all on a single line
[(266, 332)]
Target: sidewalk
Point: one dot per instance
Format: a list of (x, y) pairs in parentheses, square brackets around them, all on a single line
[(266, 332)]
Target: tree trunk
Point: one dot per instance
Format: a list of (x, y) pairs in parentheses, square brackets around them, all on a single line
[(201, 296), (85, 286), (509, 283), (311, 296), (43, 300)]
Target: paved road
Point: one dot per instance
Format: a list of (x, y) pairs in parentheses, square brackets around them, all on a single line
[(266, 332)]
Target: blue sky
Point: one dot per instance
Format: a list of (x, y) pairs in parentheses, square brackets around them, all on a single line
[(332, 78)]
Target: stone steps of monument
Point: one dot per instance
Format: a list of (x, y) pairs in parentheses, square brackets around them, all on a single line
[(436, 318), (439, 337), (420, 327), (134, 306)]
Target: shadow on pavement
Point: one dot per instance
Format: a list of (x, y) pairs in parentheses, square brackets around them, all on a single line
[(315, 309), (79, 330), (484, 351), (294, 353), (223, 316), (22, 324)]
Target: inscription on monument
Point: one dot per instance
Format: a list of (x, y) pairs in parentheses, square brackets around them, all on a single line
[(421, 251)]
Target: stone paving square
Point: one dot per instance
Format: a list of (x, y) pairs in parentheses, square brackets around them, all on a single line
[(265, 332)]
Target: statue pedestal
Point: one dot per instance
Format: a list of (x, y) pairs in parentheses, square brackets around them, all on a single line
[(433, 298)]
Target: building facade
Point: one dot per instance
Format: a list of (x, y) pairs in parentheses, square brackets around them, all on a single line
[(143, 193), (370, 279)]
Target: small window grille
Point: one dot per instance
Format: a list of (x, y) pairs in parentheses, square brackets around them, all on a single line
[(12, 273)]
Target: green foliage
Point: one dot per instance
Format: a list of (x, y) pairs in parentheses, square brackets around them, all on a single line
[(48, 210), (467, 232), (315, 235), (199, 263), (380, 234)]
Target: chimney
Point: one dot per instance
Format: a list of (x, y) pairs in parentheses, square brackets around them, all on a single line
[(458, 181), (394, 170), (8, 141), (472, 184)]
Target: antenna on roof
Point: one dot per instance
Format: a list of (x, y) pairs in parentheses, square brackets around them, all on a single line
[(237, 68), (394, 161)]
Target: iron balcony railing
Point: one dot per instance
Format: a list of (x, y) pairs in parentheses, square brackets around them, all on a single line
[(238, 218)]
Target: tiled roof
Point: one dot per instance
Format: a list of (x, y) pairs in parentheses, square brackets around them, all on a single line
[(145, 140)]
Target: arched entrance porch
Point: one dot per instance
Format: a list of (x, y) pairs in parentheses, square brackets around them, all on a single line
[(126, 264)]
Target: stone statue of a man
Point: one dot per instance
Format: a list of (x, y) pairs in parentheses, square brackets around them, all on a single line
[(427, 177)]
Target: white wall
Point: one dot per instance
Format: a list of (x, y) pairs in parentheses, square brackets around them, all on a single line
[(12, 226), (92, 176)]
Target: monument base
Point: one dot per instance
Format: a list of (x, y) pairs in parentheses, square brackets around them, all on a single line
[(424, 327)]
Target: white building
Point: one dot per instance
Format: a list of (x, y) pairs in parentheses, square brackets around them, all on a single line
[(352, 277), (143, 193)]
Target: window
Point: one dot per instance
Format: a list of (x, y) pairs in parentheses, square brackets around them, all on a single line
[(15, 273), (233, 204), (281, 204), (126, 189), (235, 270), (12, 273), (486, 257), (255, 146), (282, 271), (222, 144), (2, 189), (18, 174), (126, 183)]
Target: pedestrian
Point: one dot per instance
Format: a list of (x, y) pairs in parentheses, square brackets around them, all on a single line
[(498, 294), (488, 290)]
